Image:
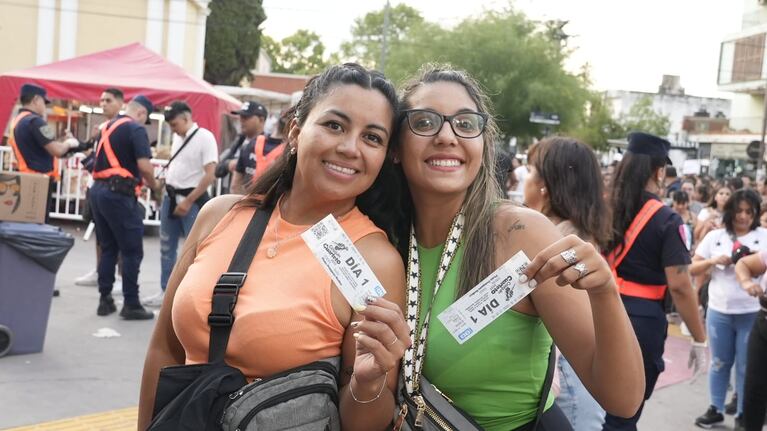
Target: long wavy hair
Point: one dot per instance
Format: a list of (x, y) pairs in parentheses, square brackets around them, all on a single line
[(748, 196), (483, 194), (572, 176), (379, 201), (629, 181)]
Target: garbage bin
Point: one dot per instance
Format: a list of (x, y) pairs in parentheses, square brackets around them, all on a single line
[(30, 256)]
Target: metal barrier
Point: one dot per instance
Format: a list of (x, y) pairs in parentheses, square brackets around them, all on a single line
[(69, 194)]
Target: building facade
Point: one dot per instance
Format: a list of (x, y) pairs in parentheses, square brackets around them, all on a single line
[(36, 32)]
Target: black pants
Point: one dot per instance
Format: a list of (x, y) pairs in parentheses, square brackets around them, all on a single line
[(755, 396)]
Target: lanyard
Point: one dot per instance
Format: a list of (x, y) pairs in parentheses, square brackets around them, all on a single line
[(415, 354)]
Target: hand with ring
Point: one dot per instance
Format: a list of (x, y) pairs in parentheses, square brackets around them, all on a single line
[(572, 261), (382, 337)]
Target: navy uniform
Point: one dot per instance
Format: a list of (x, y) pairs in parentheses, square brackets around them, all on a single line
[(29, 134), (656, 244), (257, 155), (118, 216)]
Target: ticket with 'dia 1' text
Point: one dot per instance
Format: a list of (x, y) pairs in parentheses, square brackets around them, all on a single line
[(488, 300), (335, 251)]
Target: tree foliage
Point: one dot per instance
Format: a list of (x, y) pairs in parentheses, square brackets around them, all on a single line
[(232, 40), (642, 117), (598, 124), (300, 53), (367, 33)]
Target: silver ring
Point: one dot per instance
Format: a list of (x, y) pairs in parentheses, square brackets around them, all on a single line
[(582, 270), (569, 256), (393, 342)]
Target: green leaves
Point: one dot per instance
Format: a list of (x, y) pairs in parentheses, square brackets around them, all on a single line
[(232, 40), (301, 53)]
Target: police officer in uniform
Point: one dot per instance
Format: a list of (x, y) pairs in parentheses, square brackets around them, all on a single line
[(650, 259), (252, 119), (258, 154), (33, 141), (122, 159)]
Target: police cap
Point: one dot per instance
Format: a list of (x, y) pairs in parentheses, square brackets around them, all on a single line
[(146, 103), (33, 90), (651, 145), (250, 109)]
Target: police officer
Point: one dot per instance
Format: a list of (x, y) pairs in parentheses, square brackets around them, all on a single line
[(258, 154), (32, 139), (650, 259), (122, 158), (252, 119)]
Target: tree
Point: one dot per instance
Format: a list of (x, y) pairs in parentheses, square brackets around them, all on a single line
[(519, 65), (300, 53), (232, 40), (642, 117), (367, 33), (598, 124)]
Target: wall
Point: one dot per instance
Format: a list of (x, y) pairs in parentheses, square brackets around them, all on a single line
[(675, 107), (754, 14), (18, 23), (747, 110)]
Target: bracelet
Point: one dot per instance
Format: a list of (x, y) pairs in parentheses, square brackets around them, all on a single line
[(383, 385), (699, 344)]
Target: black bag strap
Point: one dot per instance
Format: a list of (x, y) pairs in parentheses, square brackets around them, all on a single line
[(186, 141), (221, 317), (546, 385)]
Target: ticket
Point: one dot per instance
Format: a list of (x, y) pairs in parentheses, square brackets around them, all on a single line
[(486, 301), (335, 251)]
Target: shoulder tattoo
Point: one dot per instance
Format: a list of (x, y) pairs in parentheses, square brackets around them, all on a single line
[(517, 225)]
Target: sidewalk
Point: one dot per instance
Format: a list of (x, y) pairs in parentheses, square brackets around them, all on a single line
[(80, 382)]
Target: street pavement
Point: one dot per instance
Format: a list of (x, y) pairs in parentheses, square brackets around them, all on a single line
[(79, 374)]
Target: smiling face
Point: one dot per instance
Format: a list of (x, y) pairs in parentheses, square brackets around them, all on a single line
[(445, 163), (343, 143)]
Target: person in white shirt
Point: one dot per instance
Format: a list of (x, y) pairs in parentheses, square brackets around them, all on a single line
[(731, 310), (189, 173)]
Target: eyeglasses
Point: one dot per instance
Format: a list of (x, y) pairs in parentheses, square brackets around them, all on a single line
[(4, 187), (425, 122)]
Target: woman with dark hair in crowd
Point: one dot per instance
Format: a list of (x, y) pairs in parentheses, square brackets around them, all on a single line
[(461, 232), (731, 310), (288, 312), (565, 185), (650, 259), (680, 203), (710, 218)]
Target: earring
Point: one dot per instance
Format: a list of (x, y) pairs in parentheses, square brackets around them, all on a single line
[(395, 159), (292, 151), (543, 190)]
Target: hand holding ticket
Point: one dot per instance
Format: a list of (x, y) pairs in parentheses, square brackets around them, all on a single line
[(342, 261), (489, 299)]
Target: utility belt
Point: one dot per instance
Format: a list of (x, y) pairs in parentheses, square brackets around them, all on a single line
[(173, 194), (121, 185)]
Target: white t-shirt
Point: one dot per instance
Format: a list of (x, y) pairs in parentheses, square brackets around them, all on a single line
[(724, 292), (706, 213), (186, 171), (521, 174)]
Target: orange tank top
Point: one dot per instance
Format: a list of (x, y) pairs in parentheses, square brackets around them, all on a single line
[(284, 316)]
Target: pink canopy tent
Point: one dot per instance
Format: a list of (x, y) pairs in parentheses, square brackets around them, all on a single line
[(132, 68)]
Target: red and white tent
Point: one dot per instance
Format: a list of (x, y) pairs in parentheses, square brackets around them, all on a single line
[(132, 68)]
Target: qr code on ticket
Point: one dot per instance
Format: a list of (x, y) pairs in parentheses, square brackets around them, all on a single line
[(320, 230)]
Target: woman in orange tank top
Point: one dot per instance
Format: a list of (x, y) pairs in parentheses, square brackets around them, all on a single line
[(288, 311)]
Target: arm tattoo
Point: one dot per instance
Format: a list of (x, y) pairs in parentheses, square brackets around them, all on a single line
[(681, 269), (516, 226)]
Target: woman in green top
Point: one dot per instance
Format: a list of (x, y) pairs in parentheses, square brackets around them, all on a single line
[(463, 231)]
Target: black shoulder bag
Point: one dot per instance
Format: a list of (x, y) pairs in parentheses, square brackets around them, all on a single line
[(420, 405), (216, 396)]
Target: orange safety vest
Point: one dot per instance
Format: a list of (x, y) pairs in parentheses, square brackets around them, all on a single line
[(264, 161), (629, 288), (22, 162), (115, 169)]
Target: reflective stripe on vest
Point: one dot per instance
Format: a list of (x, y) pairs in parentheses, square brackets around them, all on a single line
[(114, 163), (264, 161), (630, 288), (22, 162)]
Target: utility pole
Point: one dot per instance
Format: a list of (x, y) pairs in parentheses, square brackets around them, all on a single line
[(382, 61)]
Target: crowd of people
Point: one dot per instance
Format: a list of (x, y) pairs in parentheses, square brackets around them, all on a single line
[(415, 179)]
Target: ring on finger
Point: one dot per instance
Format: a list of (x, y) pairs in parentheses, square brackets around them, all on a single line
[(569, 256), (582, 270), (393, 342)]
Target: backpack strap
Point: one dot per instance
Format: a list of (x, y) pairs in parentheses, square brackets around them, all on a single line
[(546, 386), (221, 317)]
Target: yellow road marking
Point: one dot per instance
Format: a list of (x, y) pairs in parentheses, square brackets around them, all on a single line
[(114, 420)]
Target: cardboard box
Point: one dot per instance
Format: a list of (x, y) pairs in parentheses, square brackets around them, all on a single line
[(23, 197)]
